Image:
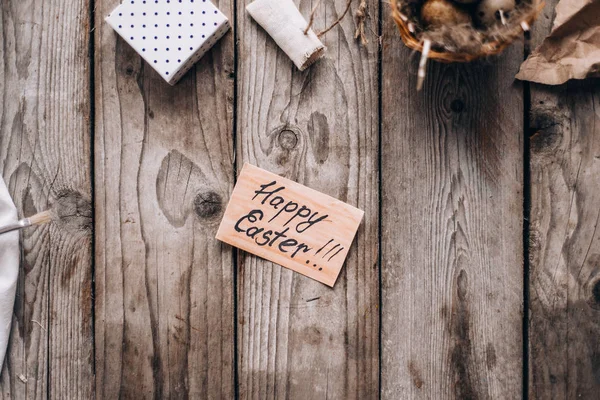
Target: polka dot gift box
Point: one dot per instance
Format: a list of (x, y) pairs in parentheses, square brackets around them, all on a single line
[(171, 35)]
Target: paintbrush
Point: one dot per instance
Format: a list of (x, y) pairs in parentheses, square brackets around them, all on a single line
[(38, 219)]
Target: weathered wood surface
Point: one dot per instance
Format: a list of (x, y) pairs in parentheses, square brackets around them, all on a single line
[(297, 338), (163, 174), (452, 193), (45, 160), (452, 253), (564, 241)]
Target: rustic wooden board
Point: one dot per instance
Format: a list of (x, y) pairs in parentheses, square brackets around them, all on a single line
[(163, 174), (452, 274), (45, 160), (564, 241), (299, 339), (290, 224)]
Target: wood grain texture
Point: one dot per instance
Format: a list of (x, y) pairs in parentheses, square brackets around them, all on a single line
[(45, 160), (564, 241), (298, 338), (452, 181), (163, 173)]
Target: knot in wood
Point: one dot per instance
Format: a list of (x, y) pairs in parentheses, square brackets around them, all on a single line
[(546, 128), (457, 106), (73, 210), (288, 139), (596, 294), (208, 205), (462, 284)]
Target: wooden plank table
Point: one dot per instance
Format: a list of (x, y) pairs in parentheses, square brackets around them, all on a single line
[(475, 273)]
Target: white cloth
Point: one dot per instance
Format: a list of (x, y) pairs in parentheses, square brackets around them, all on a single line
[(284, 23), (9, 267)]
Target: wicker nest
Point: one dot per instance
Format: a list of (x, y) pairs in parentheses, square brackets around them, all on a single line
[(462, 43)]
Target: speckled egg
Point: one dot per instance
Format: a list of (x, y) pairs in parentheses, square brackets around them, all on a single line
[(489, 11), (436, 13)]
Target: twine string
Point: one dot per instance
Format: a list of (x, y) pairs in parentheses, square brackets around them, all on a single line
[(312, 17), (361, 16), (360, 19)]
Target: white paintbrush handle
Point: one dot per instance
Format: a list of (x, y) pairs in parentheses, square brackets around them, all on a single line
[(23, 223)]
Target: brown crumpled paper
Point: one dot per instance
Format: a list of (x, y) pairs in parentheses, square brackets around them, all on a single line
[(572, 50)]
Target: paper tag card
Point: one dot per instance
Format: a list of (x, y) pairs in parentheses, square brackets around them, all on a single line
[(289, 224)]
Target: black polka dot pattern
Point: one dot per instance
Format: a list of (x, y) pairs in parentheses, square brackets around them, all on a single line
[(188, 26)]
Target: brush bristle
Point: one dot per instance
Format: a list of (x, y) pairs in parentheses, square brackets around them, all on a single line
[(41, 218)]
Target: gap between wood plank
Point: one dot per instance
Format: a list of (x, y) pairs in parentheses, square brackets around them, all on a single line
[(380, 185), (234, 253), (526, 217), (92, 49)]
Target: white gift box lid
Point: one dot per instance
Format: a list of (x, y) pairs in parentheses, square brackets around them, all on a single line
[(171, 35)]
